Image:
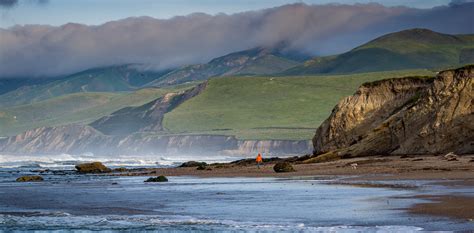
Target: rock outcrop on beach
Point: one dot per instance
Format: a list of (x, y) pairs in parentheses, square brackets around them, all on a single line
[(94, 167), (29, 179), (283, 167), (193, 164), (413, 115)]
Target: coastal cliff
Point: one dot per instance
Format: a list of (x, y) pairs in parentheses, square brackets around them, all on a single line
[(57, 140), (78, 139), (413, 115)]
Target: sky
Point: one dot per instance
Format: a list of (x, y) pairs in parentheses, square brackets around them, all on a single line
[(53, 38), (94, 12)]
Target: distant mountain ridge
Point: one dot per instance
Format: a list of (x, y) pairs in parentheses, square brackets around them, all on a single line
[(408, 49), (256, 61), (106, 79)]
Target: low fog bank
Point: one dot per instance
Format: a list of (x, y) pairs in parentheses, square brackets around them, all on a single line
[(41, 50)]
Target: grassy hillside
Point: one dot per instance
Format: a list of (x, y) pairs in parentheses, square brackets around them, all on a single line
[(15, 92), (248, 107), (10, 84), (409, 49), (267, 107), (108, 79), (74, 108), (260, 61)]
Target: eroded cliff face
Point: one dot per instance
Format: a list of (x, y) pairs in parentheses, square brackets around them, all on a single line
[(403, 116), (57, 140), (77, 139)]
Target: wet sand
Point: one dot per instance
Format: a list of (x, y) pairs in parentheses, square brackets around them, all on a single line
[(461, 207), (370, 170)]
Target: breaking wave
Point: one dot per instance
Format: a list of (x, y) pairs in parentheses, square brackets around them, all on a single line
[(60, 221), (67, 161)]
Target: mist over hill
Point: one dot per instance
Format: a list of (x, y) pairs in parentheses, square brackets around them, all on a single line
[(48, 51), (408, 49)]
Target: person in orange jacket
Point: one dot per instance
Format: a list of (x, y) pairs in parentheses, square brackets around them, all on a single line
[(259, 160)]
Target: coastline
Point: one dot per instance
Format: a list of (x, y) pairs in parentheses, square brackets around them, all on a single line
[(400, 191), (372, 172), (368, 168)]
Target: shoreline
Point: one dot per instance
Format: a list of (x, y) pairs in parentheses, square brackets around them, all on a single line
[(383, 172), (368, 168), (371, 172)]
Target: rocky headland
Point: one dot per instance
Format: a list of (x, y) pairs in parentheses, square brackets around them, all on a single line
[(406, 116)]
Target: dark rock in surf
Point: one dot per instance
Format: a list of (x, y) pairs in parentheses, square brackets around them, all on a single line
[(157, 179), (29, 179), (193, 164)]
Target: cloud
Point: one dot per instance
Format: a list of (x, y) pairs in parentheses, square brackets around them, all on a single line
[(460, 2), (12, 3), (8, 3), (38, 50)]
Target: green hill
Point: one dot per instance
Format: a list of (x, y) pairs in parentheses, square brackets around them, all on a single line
[(15, 92), (108, 79), (81, 107), (268, 107), (409, 49), (248, 107), (10, 84), (257, 61)]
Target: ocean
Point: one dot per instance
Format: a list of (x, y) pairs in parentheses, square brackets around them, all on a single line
[(66, 201)]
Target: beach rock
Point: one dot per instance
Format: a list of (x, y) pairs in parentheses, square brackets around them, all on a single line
[(41, 171), (399, 116), (451, 156), (203, 167), (193, 164), (247, 162), (283, 167), (95, 167), (121, 169), (157, 179), (29, 179)]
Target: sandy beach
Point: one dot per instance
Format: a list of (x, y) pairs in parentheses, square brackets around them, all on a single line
[(368, 168), (371, 172)]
